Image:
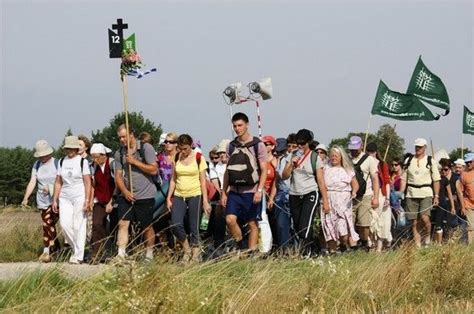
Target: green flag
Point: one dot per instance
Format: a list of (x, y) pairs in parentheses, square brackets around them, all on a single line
[(129, 43), (468, 122), (400, 106), (425, 85)]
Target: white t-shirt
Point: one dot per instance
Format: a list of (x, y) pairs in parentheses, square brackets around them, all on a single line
[(45, 177), (70, 172), (217, 172)]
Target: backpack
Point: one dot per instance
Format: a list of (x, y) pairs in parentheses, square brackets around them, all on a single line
[(37, 164), (429, 165), (361, 180), (243, 168), (156, 179), (211, 189)]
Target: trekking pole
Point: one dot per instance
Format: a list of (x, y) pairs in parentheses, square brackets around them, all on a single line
[(389, 142), (125, 105)]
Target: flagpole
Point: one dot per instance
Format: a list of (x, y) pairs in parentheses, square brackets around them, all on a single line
[(125, 108), (432, 148), (462, 146), (367, 133), (259, 119), (389, 142), (231, 127)]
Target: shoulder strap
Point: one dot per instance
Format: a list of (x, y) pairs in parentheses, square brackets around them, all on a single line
[(121, 157), (82, 165), (232, 145), (198, 159), (37, 165), (407, 165), (61, 162), (56, 163), (361, 160), (314, 160)]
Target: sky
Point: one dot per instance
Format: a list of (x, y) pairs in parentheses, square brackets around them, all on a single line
[(325, 59)]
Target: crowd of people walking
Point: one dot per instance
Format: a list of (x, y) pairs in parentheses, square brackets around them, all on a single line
[(266, 195)]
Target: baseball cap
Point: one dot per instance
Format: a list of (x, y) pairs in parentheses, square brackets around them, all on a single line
[(269, 139), (281, 145), (420, 142), (355, 142), (469, 157)]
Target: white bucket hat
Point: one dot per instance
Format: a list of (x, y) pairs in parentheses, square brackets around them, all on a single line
[(71, 142), (42, 148)]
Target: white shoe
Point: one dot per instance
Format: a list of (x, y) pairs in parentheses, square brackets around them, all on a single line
[(74, 261)]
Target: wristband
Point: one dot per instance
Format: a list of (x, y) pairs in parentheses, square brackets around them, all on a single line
[(260, 190)]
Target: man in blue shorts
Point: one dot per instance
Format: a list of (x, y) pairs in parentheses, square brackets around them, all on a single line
[(244, 181)]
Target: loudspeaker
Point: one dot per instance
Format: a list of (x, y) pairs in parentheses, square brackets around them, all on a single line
[(233, 92), (262, 87)]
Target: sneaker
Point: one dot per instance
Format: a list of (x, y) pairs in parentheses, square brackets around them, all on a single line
[(74, 261), (45, 258)]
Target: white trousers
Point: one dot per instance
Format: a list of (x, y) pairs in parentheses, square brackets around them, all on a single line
[(73, 220)]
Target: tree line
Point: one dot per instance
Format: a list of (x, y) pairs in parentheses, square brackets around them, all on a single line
[(16, 163)]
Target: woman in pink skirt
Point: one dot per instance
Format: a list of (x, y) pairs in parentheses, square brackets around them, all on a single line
[(341, 183)]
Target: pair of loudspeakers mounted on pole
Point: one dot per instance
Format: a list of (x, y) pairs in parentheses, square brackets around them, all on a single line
[(262, 87)]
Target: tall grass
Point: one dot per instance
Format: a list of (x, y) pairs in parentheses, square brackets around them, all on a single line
[(438, 279)]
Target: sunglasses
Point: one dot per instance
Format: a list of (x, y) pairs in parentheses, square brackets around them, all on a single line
[(215, 157), (468, 162), (394, 165), (445, 169), (170, 142), (301, 143)]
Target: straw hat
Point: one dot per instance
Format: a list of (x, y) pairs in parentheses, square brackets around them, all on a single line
[(71, 142), (42, 148)]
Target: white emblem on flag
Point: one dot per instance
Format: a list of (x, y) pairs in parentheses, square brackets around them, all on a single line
[(424, 81), (470, 120), (390, 102)]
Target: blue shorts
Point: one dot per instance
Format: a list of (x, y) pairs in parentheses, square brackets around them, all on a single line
[(242, 206)]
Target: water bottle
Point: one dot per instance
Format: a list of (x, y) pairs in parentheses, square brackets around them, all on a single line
[(204, 222)]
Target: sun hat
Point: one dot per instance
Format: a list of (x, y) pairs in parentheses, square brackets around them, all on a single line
[(222, 147), (322, 147), (269, 139), (460, 162), (420, 142), (469, 157), (71, 142), (355, 142), (42, 148), (304, 135)]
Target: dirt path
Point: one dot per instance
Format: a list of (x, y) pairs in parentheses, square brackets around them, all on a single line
[(9, 271)]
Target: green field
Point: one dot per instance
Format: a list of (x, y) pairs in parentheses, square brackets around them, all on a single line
[(437, 279)]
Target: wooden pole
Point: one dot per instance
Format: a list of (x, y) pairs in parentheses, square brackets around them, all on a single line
[(125, 109), (389, 142), (367, 133), (432, 148)]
